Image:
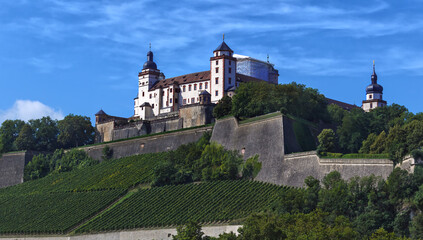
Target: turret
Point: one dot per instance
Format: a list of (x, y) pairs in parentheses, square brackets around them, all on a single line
[(222, 71), (374, 93)]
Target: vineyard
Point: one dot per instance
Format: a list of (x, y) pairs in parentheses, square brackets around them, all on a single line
[(120, 173), (173, 205), (50, 213)]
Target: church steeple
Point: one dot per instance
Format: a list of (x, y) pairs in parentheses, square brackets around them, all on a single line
[(374, 75), (149, 64)]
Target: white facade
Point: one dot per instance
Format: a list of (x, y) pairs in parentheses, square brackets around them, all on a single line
[(169, 94)]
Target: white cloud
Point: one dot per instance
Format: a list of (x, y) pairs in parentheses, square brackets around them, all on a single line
[(27, 109)]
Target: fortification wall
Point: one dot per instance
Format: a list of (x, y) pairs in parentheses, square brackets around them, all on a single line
[(148, 144), (268, 138), (298, 166), (157, 234), (196, 115), (12, 167), (263, 137)]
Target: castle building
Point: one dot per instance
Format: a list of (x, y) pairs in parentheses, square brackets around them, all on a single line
[(374, 94), (157, 95)]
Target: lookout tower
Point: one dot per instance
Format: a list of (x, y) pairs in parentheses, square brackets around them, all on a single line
[(374, 94)]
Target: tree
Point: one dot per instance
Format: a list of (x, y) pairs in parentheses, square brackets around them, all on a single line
[(416, 228), (354, 130), (336, 114), (45, 133), (25, 140), (333, 197), (396, 144), (190, 231), (365, 148), (75, 130), (327, 141), (9, 131), (379, 145), (251, 167), (223, 107)]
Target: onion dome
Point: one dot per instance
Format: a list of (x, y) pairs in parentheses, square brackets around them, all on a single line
[(374, 87), (150, 64)]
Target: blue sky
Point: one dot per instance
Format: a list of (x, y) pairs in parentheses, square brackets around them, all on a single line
[(62, 56)]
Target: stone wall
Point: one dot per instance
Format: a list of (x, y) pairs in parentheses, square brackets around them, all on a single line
[(148, 144), (196, 115), (12, 167), (156, 234), (268, 138), (263, 137), (298, 166)]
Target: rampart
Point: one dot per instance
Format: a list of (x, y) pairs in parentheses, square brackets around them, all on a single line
[(12, 167), (148, 144), (269, 138)]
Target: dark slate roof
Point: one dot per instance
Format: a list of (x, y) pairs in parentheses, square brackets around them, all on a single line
[(146, 104), (374, 88), (183, 79), (343, 105), (149, 64), (204, 92), (101, 112), (223, 47)]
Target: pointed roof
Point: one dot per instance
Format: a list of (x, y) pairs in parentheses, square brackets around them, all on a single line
[(223, 47), (101, 112), (204, 92)]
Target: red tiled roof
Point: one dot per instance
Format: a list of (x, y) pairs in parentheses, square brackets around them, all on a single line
[(343, 105), (183, 79)]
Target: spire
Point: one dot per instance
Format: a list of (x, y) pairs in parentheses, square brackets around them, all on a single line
[(223, 37), (150, 50), (374, 76), (150, 64), (267, 57)]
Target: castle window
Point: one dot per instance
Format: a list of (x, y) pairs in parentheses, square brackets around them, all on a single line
[(217, 93), (370, 96), (176, 100), (217, 62), (371, 105), (230, 80), (195, 87), (230, 70), (163, 92), (189, 88), (201, 86), (229, 62), (171, 90), (206, 85), (185, 101), (217, 70), (150, 95), (217, 80), (183, 88), (143, 94), (170, 100), (192, 100)]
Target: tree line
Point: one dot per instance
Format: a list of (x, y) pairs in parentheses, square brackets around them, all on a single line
[(360, 208), (46, 134)]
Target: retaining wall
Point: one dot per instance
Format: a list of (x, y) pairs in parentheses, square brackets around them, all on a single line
[(156, 234), (12, 167), (148, 144)]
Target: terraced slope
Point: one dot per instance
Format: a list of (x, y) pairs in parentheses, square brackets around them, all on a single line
[(172, 205), (113, 174), (50, 213)]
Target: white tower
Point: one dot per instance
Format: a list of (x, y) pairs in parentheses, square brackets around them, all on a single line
[(374, 94), (146, 79), (222, 71)]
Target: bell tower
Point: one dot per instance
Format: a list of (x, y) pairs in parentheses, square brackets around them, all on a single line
[(222, 71), (374, 93), (148, 76)]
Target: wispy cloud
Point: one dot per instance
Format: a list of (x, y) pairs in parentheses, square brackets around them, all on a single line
[(27, 109), (46, 64)]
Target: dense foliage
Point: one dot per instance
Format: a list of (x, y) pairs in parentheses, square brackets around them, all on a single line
[(60, 161), (45, 134), (205, 202), (258, 98), (204, 161), (223, 107), (52, 213)]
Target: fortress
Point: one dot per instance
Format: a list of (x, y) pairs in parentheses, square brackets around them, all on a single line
[(185, 103)]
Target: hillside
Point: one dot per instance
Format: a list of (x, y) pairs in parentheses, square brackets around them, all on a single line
[(120, 190)]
